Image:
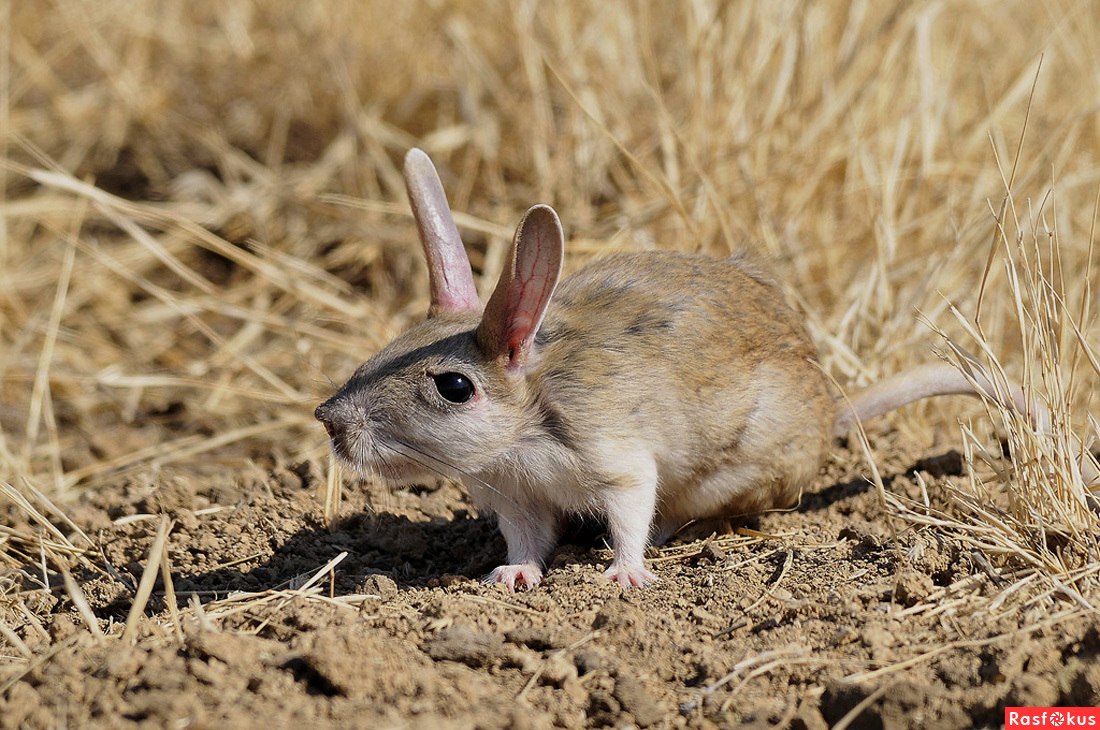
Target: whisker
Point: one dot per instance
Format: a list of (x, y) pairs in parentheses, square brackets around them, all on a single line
[(419, 455), (378, 466)]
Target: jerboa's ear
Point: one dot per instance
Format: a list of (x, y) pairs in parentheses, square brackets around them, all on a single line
[(449, 274), (518, 304)]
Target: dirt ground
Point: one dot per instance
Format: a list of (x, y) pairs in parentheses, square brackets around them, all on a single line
[(203, 231), (832, 613)]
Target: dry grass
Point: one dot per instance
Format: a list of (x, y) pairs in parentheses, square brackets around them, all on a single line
[(202, 222)]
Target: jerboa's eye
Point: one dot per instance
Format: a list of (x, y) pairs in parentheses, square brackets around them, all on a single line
[(454, 387)]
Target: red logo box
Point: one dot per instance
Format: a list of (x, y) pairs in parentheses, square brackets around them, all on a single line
[(1052, 718)]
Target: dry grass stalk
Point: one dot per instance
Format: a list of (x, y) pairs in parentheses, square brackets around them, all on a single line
[(17, 643), (1049, 521), (80, 602), (5, 119), (333, 492), (1051, 620), (870, 699), (170, 595), (153, 566)]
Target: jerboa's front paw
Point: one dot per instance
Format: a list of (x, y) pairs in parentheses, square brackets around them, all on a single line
[(630, 576), (523, 575)]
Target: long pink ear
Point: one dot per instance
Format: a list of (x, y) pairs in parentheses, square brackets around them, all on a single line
[(518, 304), (452, 281)]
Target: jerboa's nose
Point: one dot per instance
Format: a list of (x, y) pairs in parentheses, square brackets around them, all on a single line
[(323, 413)]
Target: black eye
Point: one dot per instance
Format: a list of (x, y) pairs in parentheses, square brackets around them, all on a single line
[(455, 387)]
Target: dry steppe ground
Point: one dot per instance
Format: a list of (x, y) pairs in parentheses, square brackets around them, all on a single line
[(203, 230)]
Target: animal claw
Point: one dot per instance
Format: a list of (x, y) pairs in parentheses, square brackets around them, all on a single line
[(630, 576), (526, 575)]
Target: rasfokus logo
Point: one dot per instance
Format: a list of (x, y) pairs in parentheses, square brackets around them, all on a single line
[(1052, 717)]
